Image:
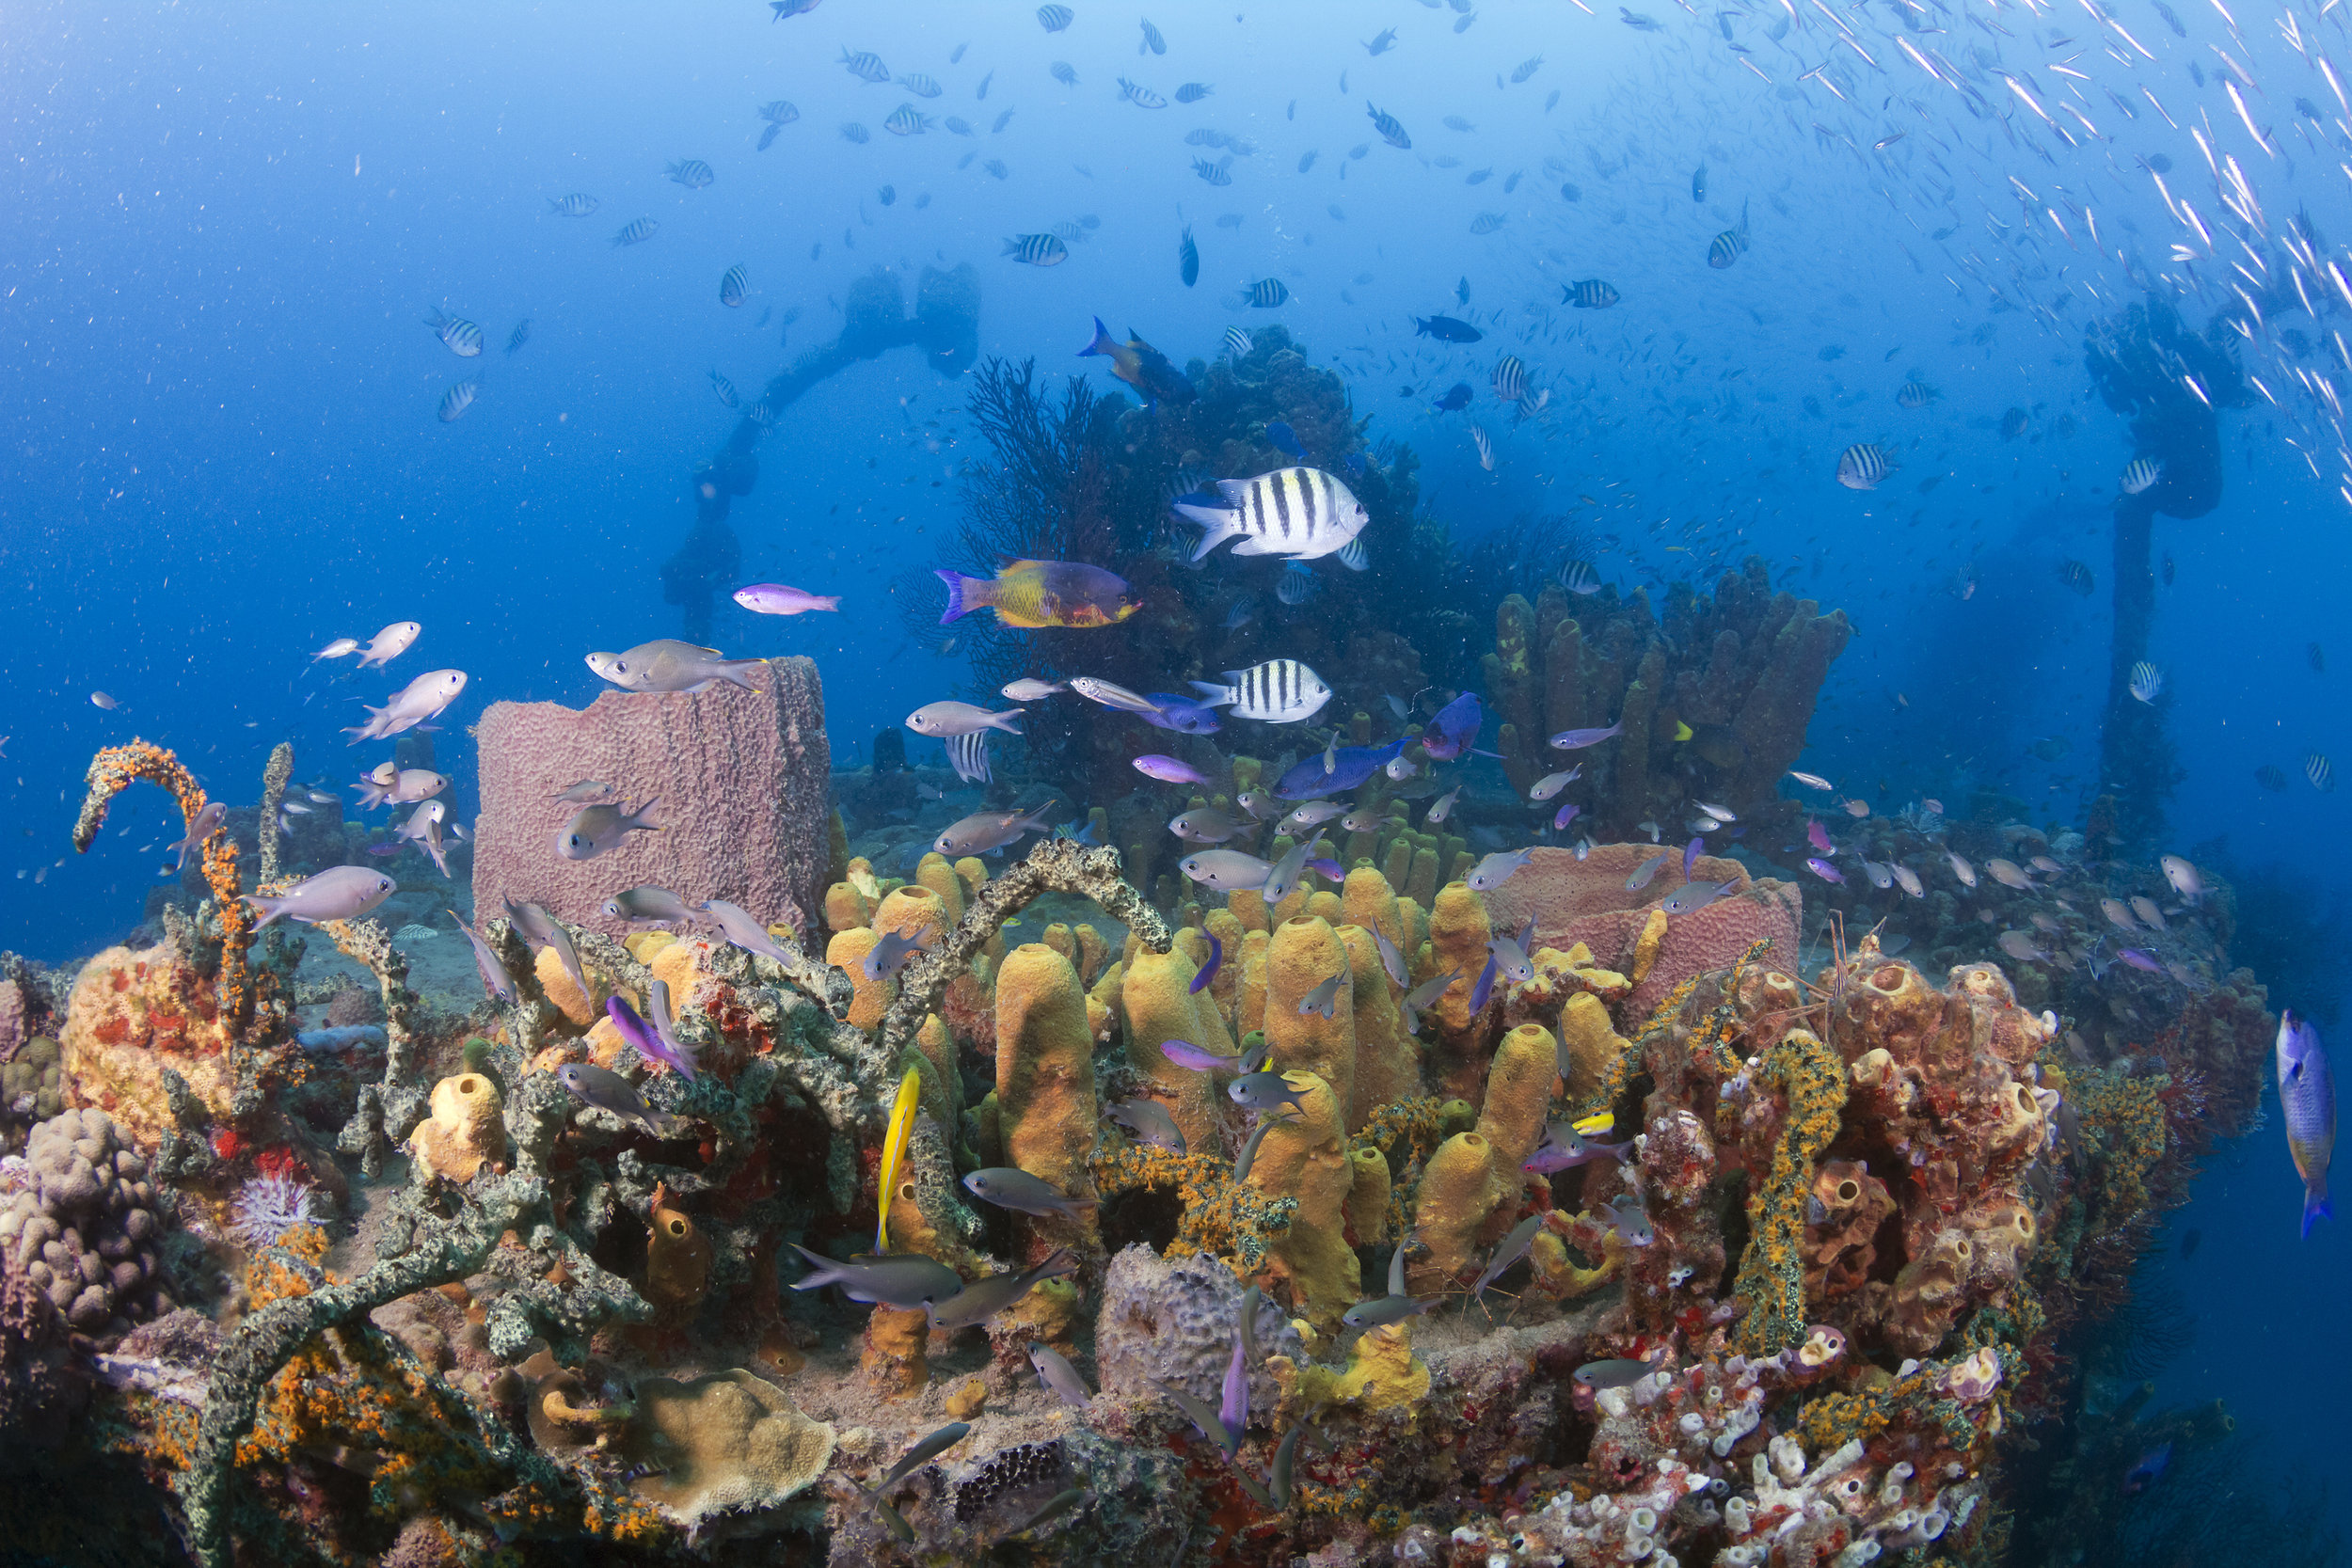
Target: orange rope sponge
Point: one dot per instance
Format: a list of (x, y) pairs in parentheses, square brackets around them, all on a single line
[(116, 767)]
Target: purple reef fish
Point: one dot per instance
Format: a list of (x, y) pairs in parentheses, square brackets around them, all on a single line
[(1186, 1054), (1690, 856), (1552, 1155), (2141, 960), (1327, 869), (1822, 869), (1207, 976), (1350, 766), (1567, 815), (1170, 769), (1484, 988), (649, 1044), (2307, 1097), (1181, 714)]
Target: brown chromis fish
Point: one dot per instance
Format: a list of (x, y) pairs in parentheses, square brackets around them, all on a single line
[(904, 1280)]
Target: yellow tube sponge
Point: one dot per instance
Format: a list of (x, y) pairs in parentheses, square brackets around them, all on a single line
[(465, 1130), (1594, 1047), (1304, 953), (942, 1083), (1382, 1370), (1045, 1101), (1367, 1207), (934, 873), (1306, 1159), (677, 1256), (1249, 906), (1519, 1096), (1459, 1190), (557, 987), (1250, 1013), (912, 911), (1367, 901), (846, 953), (1091, 949), (845, 908), (1221, 925), (1388, 1062), (1324, 904), (1458, 934), (1156, 997)]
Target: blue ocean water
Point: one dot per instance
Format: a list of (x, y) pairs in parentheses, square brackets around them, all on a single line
[(221, 450)]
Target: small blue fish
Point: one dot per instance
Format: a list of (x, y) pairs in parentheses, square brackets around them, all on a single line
[(1181, 714), (2147, 1470), (1353, 464), (1822, 869), (1484, 988), (1566, 814), (1565, 1149), (2138, 959), (1263, 1091), (1207, 976), (1186, 1054), (1329, 870), (639, 1033), (1690, 856), (1282, 436)]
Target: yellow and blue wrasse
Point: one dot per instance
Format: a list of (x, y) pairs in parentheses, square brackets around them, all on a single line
[(2307, 1100), (1036, 593), (893, 1152), (1140, 366)]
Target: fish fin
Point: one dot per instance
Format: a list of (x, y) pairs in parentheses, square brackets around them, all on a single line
[(1214, 696), (2316, 1208), (637, 819), (1253, 546), (1104, 342), (732, 672), (957, 585), (1220, 523)]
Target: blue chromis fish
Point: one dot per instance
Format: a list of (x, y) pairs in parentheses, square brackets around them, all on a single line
[(1139, 365), (1208, 971), (2306, 1098), (1033, 595), (1279, 433), (1188, 253)]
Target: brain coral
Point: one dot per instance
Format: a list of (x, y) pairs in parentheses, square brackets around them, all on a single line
[(85, 1231)]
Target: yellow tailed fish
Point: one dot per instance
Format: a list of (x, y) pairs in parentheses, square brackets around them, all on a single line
[(1683, 731), (894, 1150), (1600, 1122)]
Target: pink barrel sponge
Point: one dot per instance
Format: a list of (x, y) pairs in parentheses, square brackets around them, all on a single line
[(742, 778), (1587, 901)]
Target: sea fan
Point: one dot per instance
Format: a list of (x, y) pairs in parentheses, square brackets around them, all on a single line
[(269, 1206)]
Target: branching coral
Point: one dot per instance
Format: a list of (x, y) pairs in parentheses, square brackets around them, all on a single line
[(114, 769)]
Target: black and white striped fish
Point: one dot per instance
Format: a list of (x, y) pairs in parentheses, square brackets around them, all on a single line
[(1054, 18), (578, 204), (638, 231), (462, 336), (1730, 245), (920, 85), (1862, 466), (857, 134), (724, 388), (865, 65), (1914, 394), (905, 121), (1037, 250), (1391, 130), (1188, 259), (521, 335), (1485, 445), (1140, 96), (1218, 173), (1152, 40), (2320, 771), (780, 112), (1486, 223), (968, 756), (1265, 294), (1353, 555), (1590, 293), (1279, 691), (1238, 343), (734, 285), (1578, 577), (1299, 512), (457, 399), (691, 172), (1193, 92), (1297, 584), (1510, 378), (1064, 72), (2143, 472)]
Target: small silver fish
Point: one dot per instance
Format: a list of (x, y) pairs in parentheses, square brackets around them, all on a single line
[(984, 1298), (1324, 999), (609, 1091), (599, 830), (1264, 1091), (890, 955), (648, 903), (1008, 1187), (1641, 878), (904, 1280), (582, 792), (1227, 870), (1693, 896), (942, 719), (1442, 807), (991, 829), (1148, 1120), (1498, 868), (1056, 1373)]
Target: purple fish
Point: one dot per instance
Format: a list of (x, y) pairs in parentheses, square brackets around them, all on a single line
[(1350, 766), (1202, 981), (2306, 1098), (1234, 1412), (1170, 770), (1454, 728), (638, 1033), (1484, 988), (1690, 856), (2141, 960), (1574, 740), (1827, 872), (1818, 836), (1186, 1054), (1180, 714), (1327, 869), (774, 599), (1567, 815), (2148, 1471)]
